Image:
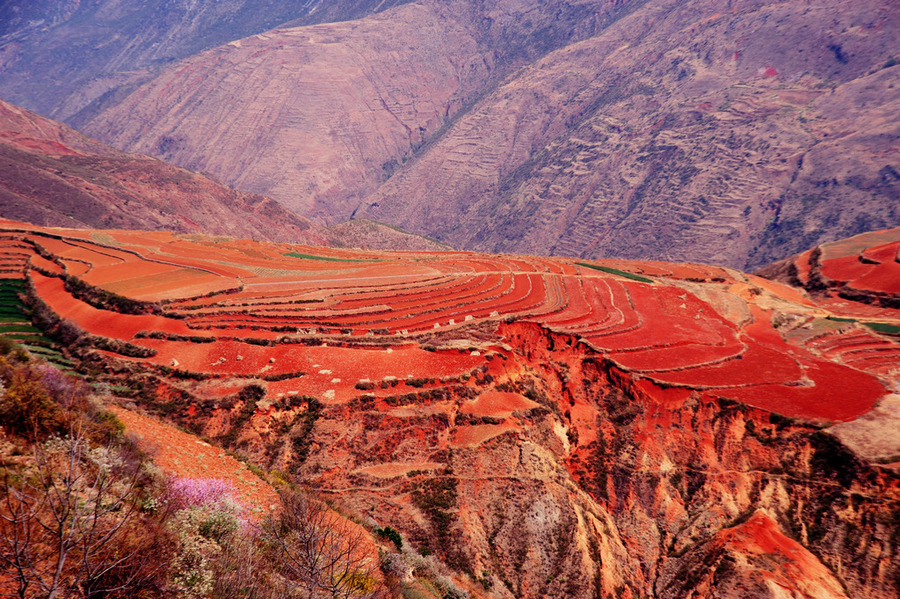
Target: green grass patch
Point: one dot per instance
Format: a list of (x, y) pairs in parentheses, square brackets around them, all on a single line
[(883, 327), (18, 328), (17, 319), (879, 327), (30, 339), (617, 272), (20, 337), (324, 258), (840, 319)]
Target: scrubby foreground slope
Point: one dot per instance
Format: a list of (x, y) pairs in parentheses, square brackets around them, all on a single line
[(549, 427)]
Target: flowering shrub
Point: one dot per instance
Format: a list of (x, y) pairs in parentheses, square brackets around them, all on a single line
[(208, 522), (195, 492)]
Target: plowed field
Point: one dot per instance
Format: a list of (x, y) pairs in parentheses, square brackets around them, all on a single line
[(342, 326)]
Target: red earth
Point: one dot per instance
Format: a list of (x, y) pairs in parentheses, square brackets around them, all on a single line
[(335, 324)]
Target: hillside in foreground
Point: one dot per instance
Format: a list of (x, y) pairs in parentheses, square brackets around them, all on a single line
[(545, 426)]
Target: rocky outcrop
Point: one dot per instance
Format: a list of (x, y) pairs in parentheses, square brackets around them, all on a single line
[(604, 490)]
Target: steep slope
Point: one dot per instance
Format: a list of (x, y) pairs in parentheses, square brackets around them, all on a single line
[(769, 126), (52, 175), (318, 117), (640, 129), (548, 427), (312, 113), (58, 57)]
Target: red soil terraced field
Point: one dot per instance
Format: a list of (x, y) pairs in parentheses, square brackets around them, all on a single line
[(351, 326), (864, 269)]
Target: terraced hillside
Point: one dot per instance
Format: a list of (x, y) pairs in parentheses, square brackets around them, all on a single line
[(548, 426)]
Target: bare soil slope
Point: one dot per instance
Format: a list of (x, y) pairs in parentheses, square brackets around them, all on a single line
[(59, 57), (318, 117)]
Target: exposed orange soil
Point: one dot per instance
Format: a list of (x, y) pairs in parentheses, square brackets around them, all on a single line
[(803, 266), (659, 330), (76, 268), (781, 290), (867, 262), (838, 394), (324, 368), (497, 403), (100, 322), (757, 364), (882, 253), (787, 563), (473, 436), (44, 264), (184, 455), (847, 268), (71, 250), (884, 277)]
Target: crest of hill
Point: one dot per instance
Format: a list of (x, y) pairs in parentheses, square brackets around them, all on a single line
[(367, 234)]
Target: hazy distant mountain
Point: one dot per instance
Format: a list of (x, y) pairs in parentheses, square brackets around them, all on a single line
[(317, 117), (678, 130)]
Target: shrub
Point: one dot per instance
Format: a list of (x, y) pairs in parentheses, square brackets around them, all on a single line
[(183, 493), (390, 534)]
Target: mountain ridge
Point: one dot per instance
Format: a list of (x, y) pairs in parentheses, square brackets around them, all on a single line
[(651, 129)]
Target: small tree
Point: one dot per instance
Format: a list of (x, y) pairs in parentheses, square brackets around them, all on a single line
[(61, 520), (317, 550)]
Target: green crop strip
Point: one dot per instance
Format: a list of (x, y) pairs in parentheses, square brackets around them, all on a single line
[(880, 327), (616, 271), (325, 258), (839, 319), (883, 327)]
